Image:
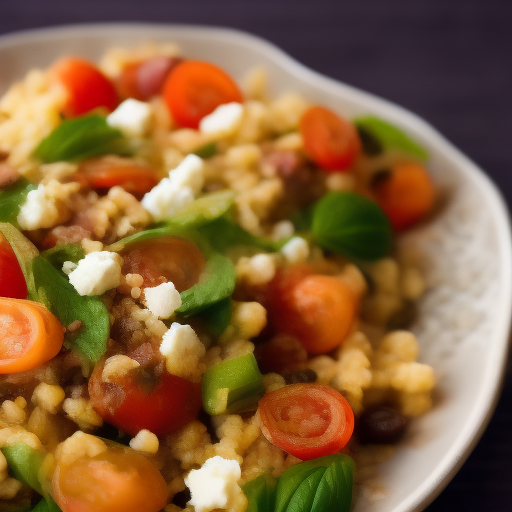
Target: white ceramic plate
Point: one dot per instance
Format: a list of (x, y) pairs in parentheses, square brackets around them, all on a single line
[(465, 316)]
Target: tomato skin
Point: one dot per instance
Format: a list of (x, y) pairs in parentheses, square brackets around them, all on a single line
[(318, 310), (406, 195), (195, 89), (306, 420), (105, 173), (330, 141), (12, 281), (117, 480), (86, 86), (130, 406)]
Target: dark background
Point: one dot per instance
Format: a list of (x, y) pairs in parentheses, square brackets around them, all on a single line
[(450, 61)]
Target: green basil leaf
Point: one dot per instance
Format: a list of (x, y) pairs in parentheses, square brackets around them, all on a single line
[(12, 198), (46, 505), (334, 491), (59, 254), (80, 138), (304, 495), (351, 225), (390, 136), (51, 287), (260, 493), (25, 463), (207, 151), (217, 317)]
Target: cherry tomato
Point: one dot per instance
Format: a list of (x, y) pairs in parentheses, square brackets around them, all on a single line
[(195, 89), (140, 400), (107, 172), (318, 310), (12, 281), (165, 259), (116, 480), (306, 420), (406, 194), (329, 140), (86, 86)]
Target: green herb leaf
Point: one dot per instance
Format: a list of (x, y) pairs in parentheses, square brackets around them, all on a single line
[(260, 493), (84, 137), (390, 136), (12, 198), (51, 287), (46, 505), (304, 495), (207, 151), (350, 224), (25, 464), (241, 376), (217, 317), (59, 254)]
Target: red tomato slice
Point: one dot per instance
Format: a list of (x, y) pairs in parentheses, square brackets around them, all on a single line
[(12, 281), (195, 89), (105, 173), (117, 480), (136, 402), (407, 194), (329, 140), (306, 420), (86, 86), (165, 259)]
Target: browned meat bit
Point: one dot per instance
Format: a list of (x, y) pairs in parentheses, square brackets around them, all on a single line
[(381, 424), (65, 235), (279, 354), (8, 175)]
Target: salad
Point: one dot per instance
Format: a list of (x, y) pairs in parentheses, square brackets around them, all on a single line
[(202, 306)]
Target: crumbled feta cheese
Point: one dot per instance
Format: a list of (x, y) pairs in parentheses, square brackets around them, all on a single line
[(223, 121), (145, 441), (97, 273), (132, 117), (162, 300), (189, 173), (258, 270), (182, 350), (38, 211), (68, 267), (296, 250), (214, 485), (283, 229)]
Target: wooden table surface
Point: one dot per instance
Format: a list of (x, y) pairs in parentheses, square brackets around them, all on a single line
[(450, 61)]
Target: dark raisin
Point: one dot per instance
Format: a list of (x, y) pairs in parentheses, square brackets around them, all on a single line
[(403, 318), (381, 425), (371, 145), (181, 498), (300, 377), (380, 177)]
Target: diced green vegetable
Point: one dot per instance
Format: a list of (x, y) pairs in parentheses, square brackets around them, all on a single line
[(25, 464), (207, 151), (51, 287), (241, 378), (12, 198), (217, 317), (59, 254), (204, 210), (390, 137), (351, 225), (260, 493), (84, 137), (317, 485)]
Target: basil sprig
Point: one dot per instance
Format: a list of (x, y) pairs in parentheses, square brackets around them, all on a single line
[(349, 224), (51, 287), (260, 493), (389, 136), (11, 199), (80, 138)]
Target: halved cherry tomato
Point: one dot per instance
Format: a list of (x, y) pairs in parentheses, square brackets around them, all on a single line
[(86, 86), (116, 480), (12, 281), (195, 89), (306, 420), (329, 140), (140, 400), (318, 310), (29, 335), (165, 259), (406, 194), (107, 172)]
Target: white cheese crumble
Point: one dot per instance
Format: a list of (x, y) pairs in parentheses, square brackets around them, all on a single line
[(132, 117), (145, 441), (223, 121), (162, 300), (214, 485), (174, 193), (96, 273), (182, 350), (296, 250), (257, 270)]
